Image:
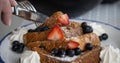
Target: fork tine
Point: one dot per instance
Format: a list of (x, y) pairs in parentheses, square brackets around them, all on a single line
[(28, 6), (31, 6), (21, 4)]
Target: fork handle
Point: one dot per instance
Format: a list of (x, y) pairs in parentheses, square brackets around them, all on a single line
[(29, 15)]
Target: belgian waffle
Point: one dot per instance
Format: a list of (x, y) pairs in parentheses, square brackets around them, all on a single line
[(34, 39)]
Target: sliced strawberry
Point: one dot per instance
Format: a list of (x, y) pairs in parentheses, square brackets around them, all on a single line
[(72, 44), (64, 19), (56, 33)]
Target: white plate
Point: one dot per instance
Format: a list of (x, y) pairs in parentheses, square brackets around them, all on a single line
[(10, 57)]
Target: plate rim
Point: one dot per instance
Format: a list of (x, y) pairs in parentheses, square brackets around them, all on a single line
[(86, 20)]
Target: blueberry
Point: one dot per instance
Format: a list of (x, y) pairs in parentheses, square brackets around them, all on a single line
[(54, 52), (21, 45), (70, 52), (20, 50), (39, 29), (83, 24), (18, 47), (42, 47), (87, 29), (15, 48), (77, 51), (61, 52), (104, 36), (44, 28), (89, 46), (31, 30), (15, 42)]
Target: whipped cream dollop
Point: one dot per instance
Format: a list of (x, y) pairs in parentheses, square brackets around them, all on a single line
[(97, 29), (30, 57), (110, 54), (18, 34)]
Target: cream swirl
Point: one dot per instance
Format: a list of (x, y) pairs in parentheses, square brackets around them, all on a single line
[(30, 57), (18, 34), (110, 55)]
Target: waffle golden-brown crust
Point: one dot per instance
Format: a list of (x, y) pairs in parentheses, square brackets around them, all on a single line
[(88, 38), (90, 56), (49, 45), (52, 20), (72, 30), (35, 36)]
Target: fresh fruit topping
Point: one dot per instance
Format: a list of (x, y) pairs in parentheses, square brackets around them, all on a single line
[(72, 44), (70, 52), (15, 42), (21, 45), (44, 28), (39, 29), (61, 52), (104, 36), (14, 48), (64, 19), (55, 34), (17, 47), (89, 46), (77, 51), (31, 30), (83, 24), (20, 50), (42, 47), (87, 29), (54, 52)]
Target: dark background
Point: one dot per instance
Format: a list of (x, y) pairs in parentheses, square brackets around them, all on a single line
[(73, 8)]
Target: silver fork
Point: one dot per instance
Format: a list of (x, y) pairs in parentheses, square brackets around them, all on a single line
[(27, 6)]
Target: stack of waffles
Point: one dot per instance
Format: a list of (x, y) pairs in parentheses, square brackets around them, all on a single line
[(64, 34)]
